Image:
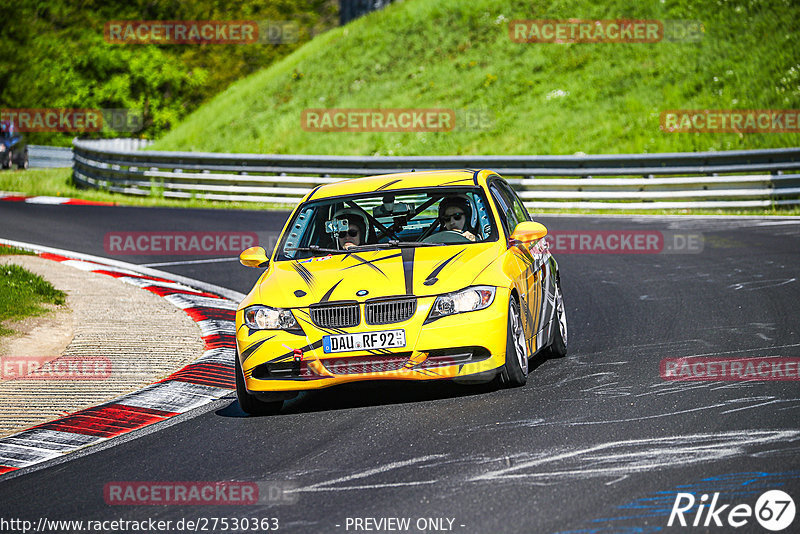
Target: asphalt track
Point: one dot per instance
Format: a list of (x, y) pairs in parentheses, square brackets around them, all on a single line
[(595, 442)]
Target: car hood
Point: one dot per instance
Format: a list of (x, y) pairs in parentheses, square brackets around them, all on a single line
[(364, 275)]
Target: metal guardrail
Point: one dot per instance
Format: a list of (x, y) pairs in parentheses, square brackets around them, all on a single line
[(732, 179), (40, 156)]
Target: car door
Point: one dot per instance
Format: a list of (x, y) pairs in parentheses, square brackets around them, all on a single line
[(545, 279), (528, 269)]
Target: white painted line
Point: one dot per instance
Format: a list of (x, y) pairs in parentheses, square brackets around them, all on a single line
[(369, 472), (771, 223), (57, 440), (142, 282), (90, 266), (210, 327), (618, 458), (222, 355), (367, 487), (188, 262), (192, 301), (46, 200), (741, 350), (174, 396)]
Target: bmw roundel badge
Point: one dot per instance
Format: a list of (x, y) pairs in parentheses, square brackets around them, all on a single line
[(361, 292)]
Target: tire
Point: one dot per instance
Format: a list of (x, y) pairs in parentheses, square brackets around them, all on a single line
[(515, 370), (25, 163), (249, 403), (558, 347)]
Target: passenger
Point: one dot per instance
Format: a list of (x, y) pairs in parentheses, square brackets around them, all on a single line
[(454, 214)]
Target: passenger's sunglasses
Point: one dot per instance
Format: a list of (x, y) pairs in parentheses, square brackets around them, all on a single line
[(456, 217), (352, 233)]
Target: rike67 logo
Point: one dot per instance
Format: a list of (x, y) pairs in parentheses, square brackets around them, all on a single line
[(774, 510)]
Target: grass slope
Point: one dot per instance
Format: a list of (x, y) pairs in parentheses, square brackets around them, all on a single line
[(544, 98), (22, 294)]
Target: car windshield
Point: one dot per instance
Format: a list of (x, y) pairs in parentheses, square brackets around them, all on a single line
[(377, 220)]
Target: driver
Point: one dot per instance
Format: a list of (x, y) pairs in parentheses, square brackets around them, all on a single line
[(356, 231), (454, 212)]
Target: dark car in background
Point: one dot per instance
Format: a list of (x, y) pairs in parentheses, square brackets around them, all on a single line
[(13, 148)]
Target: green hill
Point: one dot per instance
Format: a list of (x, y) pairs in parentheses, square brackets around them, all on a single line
[(55, 56), (543, 98)]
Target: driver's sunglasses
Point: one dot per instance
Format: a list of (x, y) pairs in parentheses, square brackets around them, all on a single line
[(352, 233), (455, 216)]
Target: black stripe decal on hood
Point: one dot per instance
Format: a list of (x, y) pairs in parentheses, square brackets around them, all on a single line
[(408, 269), (326, 297), (304, 273), (431, 279), (370, 263)]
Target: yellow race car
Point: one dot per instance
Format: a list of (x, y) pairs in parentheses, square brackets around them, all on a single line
[(413, 276)]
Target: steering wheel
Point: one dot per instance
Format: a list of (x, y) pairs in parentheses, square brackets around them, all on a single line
[(448, 237)]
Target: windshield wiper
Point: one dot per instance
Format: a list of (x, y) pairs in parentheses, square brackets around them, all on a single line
[(392, 244), (367, 247), (402, 244), (314, 248)]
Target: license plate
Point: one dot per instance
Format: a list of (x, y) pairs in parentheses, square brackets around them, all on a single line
[(385, 339)]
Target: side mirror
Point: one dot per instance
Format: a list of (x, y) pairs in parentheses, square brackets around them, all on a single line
[(526, 232), (254, 257)]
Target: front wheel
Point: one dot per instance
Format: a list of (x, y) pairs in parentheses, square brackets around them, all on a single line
[(249, 403), (515, 371)]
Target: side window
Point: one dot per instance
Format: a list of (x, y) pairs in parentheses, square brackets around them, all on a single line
[(520, 211), (505, 207)]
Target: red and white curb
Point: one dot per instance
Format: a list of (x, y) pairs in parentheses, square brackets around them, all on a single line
[(205, 380), (15, 197)]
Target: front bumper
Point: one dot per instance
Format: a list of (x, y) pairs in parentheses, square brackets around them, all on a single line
[(457, 347)]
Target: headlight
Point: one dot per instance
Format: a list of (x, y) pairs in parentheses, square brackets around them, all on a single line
[(466, 300), (266, 318)]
